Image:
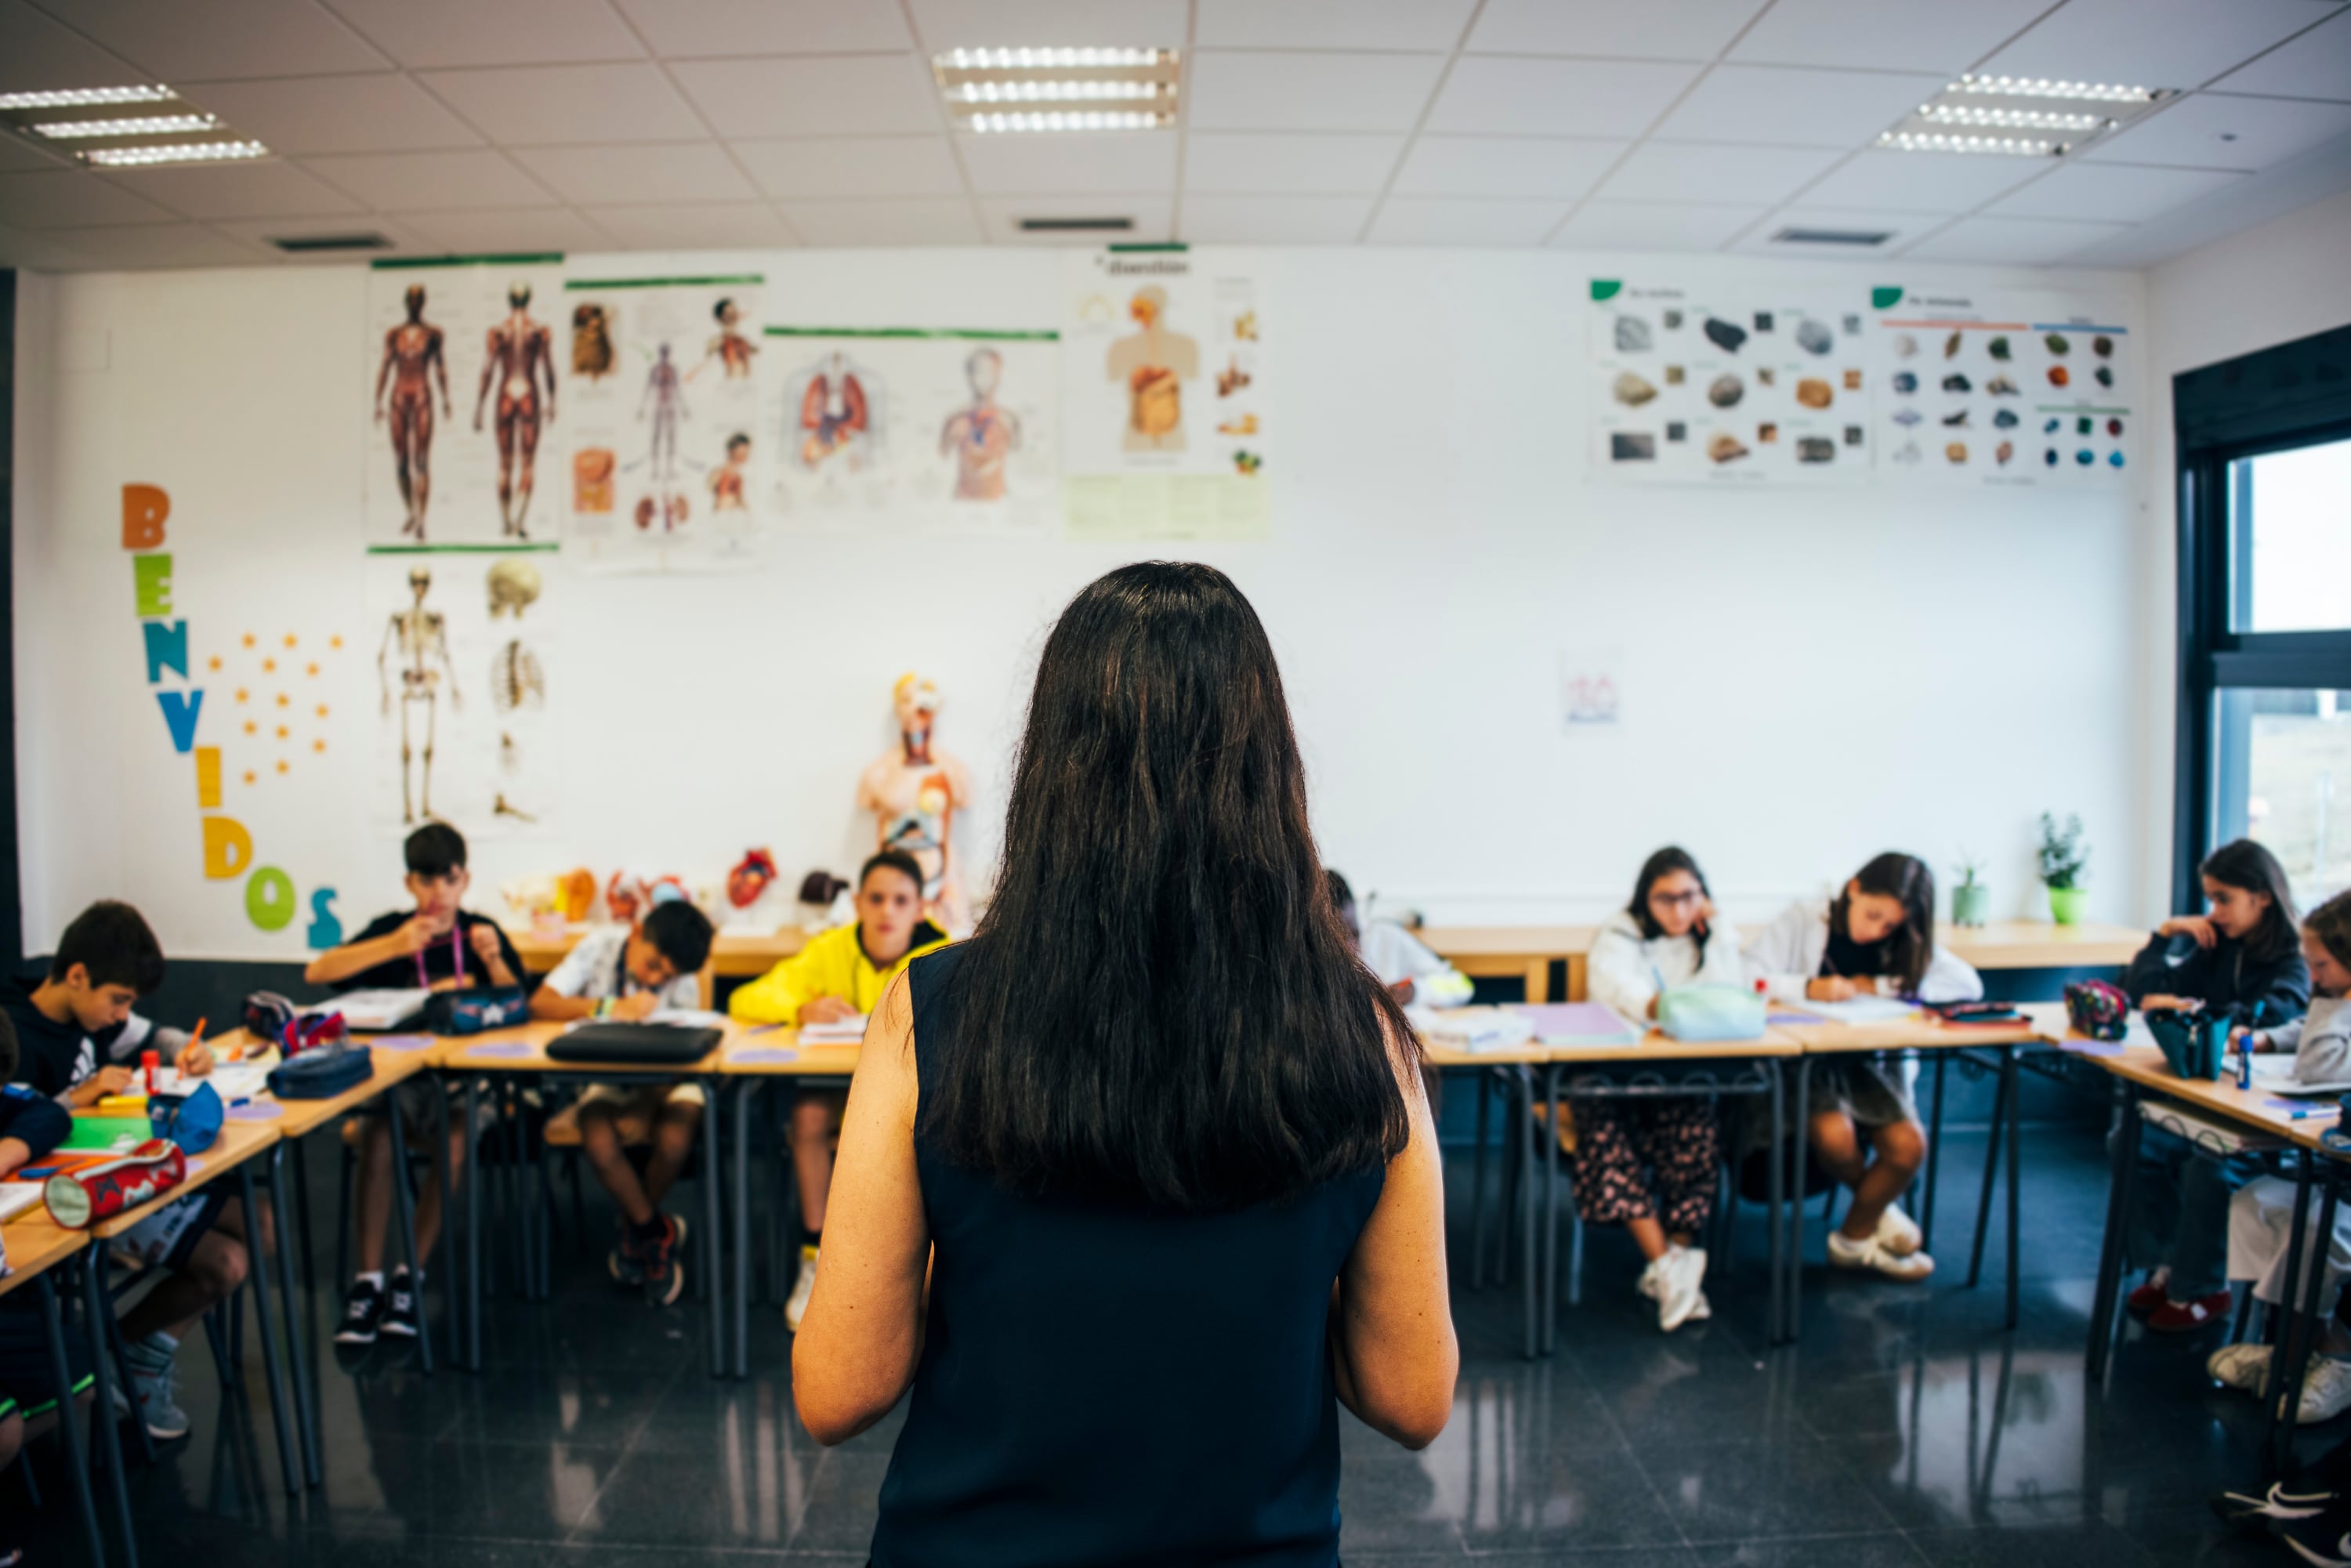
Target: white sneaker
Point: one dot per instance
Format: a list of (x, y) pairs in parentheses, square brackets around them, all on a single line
[(1677, 1287), (1651, 1285), (1701, 1312), (802, 1288), (1846, 1253), (1898, 1233), (2326, 1390), (2245, 1366)]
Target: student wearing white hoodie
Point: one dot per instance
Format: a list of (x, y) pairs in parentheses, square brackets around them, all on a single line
[(1876, 938), (1650, 1165)]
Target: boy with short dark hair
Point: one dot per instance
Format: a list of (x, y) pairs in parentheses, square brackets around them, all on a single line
[(437, 944), (837, 975), (76, 1039), (625, 973)]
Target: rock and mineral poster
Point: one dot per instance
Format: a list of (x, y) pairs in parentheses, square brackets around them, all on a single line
[(1709, 384), (2023, 389), (1164, 421)]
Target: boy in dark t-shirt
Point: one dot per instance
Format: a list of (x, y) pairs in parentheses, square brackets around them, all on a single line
[(434, 946)]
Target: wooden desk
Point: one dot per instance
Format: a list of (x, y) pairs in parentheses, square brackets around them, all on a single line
[(2040, 944), (36, 1243), (1520, 952), (733, 957), (238, 1142)]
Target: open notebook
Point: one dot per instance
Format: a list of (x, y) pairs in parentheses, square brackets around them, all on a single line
[(16, 1197)]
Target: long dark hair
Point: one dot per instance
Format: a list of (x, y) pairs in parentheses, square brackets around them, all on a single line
[(1673, 857), (1160, 1003), (2242, 863), (1911, 948)]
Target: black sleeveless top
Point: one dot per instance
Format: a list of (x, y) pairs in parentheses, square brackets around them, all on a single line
[(1107, 1383)]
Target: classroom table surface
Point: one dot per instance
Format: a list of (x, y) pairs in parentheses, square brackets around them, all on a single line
[(36, 1243), (1658, 1046), (735, 956), (2000, 945), (1920, 1030), (523, 1049), (2248, 1108), (238, 1142)]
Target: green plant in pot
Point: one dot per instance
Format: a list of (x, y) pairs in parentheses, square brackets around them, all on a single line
[(2063, 857), (1970, 899)]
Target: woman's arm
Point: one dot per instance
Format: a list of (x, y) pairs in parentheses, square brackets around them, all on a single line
[(862, 1335), (1392, 1341), (1617, 974)]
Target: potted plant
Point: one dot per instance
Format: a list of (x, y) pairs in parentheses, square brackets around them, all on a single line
[(1970, 899), (2063, 856)]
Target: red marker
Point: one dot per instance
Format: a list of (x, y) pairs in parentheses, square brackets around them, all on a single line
[(147, 1060)]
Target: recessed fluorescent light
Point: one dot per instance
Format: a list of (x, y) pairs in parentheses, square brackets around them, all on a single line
[(147, 125), (1056, 91), (1049, 59), (983, 87), (177, 152), (2039, 87), (2023, 117), (2007, 119), (1917, 142), (74, 98), (1086, 120)]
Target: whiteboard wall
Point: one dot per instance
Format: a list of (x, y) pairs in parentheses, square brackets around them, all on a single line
[(1808, 675)]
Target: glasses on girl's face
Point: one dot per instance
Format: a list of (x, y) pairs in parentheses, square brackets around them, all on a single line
[(1675, 899)]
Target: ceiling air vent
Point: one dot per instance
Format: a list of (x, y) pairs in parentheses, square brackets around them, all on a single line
[(1864, 237), (1076, 225), (308, 245)]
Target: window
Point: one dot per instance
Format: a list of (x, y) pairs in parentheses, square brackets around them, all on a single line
[(2264, 712)]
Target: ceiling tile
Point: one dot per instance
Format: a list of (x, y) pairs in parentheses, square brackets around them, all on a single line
[(2151, 43), (386, 113), (2316, 65), (1885, 35), (1330, 23), (1648, 226), (849, 167), (1241, 90), (1018, 166), (2110, 193), (223, 38), (616, 176), (1274, 220), (1505, 166), (178, 244), (37, 252), (236, 191), (1660, 172), (1431, 220), (727, 29), (1611, 29), (548, 105), (872, 95), (2015, 242), (1153, 214), (260, 231), (18, 153), (431, 181), (426, 33), (1898, 229), (518, 229), (2213, 130), (1921, 182), (912, 220), (978, 24), (1243, 164), (1778, 106), (732, 225), (35, 52), (69, 198), (1557, 98)]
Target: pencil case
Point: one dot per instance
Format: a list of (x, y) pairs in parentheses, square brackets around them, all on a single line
[(2193, 1042), (1692, 1014), (80, 1198)]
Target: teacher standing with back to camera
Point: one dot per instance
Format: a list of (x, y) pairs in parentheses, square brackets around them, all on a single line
[(1139, 1184)]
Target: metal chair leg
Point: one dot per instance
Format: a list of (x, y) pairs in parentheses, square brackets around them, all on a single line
[(1990, 1172), (69, 1427), (97, 1311)]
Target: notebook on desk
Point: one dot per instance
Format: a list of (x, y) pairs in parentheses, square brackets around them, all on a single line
[(17, 1197), (1575, 1023)]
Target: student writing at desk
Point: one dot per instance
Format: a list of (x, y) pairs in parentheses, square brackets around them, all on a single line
[(436, 944), (837, 975)]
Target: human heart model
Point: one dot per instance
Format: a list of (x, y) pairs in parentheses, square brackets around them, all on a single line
[(916, 792)]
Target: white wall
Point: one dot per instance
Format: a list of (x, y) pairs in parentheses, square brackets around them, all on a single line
[(2267, 285), (1811, 675)]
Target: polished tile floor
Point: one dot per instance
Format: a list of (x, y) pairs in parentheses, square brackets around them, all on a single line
[(1904, 1428)]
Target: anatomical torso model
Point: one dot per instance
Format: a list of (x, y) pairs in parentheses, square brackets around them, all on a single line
[(915, 793)]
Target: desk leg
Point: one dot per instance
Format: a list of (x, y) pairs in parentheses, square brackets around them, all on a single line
[(1550, 1336), (2284, 1333), (1485, 1082), (2015, 1182), (305, 1401), (744, 1096), (1799, 1141), (713, 1277), (404, 1204), (70, 1423), (1538, 981), (444, 1245), (283, 1410), (1777, 1315), (1530, 1288), (2303, 1336), (473, 1324), (100, 1313), (1934, 1161), (2110, 1253), (1990, 1172)]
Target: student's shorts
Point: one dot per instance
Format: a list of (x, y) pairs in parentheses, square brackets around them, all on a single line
[(28, 1381), (635, 1106), (426, 1101), (167, 1238)]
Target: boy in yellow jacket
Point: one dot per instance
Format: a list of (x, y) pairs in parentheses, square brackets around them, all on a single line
[(840, 975)]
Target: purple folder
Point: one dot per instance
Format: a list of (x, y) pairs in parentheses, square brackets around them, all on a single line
[(1576, 1023)]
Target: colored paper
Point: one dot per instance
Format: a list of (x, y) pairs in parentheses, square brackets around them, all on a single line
[(762, 1056)]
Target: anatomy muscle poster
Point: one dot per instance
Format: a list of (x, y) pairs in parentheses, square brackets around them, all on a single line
[(1703, 383), (881, 429), (665, 451), (465, 379), (1164, 382)]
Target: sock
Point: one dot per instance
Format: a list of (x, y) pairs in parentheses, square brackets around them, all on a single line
[(400, 1278), (813, 1238), (369, 1276)]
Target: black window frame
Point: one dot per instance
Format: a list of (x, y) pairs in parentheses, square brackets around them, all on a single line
[(2295, 395)]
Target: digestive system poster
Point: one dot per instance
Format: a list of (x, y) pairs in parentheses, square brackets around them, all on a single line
[(466, 387), (1728, 385), (1165, 382), (668, 463)]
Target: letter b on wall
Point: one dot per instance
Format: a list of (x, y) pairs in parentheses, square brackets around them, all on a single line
[(144, 507)]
